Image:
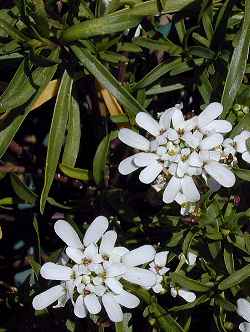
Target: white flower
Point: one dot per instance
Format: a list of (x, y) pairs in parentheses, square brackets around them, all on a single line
[(191, 258), (206, 120), (94, 279), (158, 266), (241, 147), (184, 293), (243, 310), (184, 185)]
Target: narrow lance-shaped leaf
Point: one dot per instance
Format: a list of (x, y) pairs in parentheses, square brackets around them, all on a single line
[(235, 278), (43, 77), (56, 135), (21, 190), (72, 143), (103, 75), (101, 157), (238, 63), (122, 19), (75, 173), (189, 283)]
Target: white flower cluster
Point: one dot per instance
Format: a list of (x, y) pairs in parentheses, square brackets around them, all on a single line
[(177, 151), (95, 276)]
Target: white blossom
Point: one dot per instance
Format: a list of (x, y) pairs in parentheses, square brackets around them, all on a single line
[(158, 266), (243, 310), (176, 151), (184, 293), (94, 280)]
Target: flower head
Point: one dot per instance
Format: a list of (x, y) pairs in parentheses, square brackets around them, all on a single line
[(95, 277), (176, 151)]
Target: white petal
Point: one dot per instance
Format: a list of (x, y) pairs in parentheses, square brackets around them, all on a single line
[(244, 327), (79, 307), (127, 166), (161, 258), (108, 242), (67, 233), (189, 189), (144, 159), (178, 119), (210, 113), (172, 189), (92, 303), (139, 256), (190, 124), (182, 168), (166, 117), (194, 160), (173, 291), (243, 309), (191, 139), (114, 285), (117, 253), (246, 156), (219, 126), (211, 142), (180, 198), (220, 173), (54, 271), (43, 300), (141, 277), (127, 300), (172, 134), (114, 269), (134, 140), (147, 122), (95, 231), (187, 295), (191, 257), (150, 173), (112, 308), (75, 254)]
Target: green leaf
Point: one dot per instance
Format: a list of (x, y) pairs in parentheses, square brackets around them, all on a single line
[(229, 260), (157, 89), (124, 325), (187, 306), (238, 63), (43, 77), (100, 26), (75, 173), (189, 283), (156, 73), (22, 191), (56, 134), (188, 241), (243, 174), (101, 157), (160, 44), (72, 143), (12, 32), (103, 75), (165, 321), (201, 52), (53, 202), (41, 18), (36, 228), (122, 19), (235, 278)]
